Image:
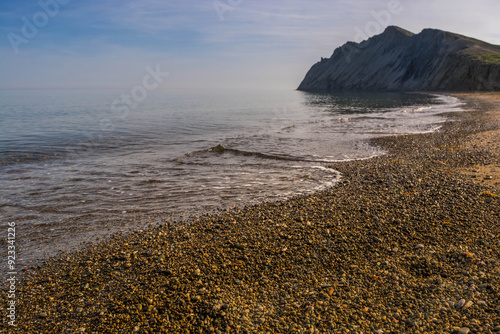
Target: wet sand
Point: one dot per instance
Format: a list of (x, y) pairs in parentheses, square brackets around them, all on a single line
[(406, 243)]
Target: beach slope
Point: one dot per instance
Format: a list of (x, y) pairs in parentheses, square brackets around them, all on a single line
[(407, 242)]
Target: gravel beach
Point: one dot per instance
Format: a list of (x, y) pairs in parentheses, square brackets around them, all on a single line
[(408, 242)]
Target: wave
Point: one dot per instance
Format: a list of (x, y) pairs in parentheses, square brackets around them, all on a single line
[(419, 109), (288, 128), (219, 150)]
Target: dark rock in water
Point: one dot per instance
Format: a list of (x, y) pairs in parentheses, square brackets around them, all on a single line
[(219, 148), (398, 60)]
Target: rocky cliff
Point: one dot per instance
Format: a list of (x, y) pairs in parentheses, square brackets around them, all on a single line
[(398, 60)]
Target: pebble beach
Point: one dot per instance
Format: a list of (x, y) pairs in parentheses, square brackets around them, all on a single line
[(407, 242)]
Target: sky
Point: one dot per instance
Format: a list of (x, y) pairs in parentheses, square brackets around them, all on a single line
[(204, 44)]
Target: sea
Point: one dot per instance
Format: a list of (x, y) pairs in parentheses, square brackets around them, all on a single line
[(77, 166)]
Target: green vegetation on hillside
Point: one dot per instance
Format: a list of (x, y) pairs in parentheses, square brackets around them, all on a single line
[(487, 57)]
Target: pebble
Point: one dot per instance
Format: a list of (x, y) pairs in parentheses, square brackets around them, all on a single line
[(463, 330), (468, 304)]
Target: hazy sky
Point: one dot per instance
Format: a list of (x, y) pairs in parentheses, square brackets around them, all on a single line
[(205, 43)]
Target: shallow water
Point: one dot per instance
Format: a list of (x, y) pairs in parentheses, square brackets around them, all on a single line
[(74, 169)]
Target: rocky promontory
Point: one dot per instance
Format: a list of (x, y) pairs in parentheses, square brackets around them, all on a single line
[(399, 60)]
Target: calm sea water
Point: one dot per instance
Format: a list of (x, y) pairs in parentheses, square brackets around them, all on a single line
[(74, 169)]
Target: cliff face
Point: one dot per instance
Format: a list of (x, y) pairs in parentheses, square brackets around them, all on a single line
[(398, 60)]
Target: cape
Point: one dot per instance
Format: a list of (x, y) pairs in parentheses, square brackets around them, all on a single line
[(399, 60)]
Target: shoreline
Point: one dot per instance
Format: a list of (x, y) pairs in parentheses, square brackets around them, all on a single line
[(388, 248), (59, 224)]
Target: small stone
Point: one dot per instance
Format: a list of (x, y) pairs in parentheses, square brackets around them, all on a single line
[(197, 272), (43, 315), (488, 177), (497, 329), (463, 330), (460, 303), (419, 246), (481, 303), (467, 305)]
